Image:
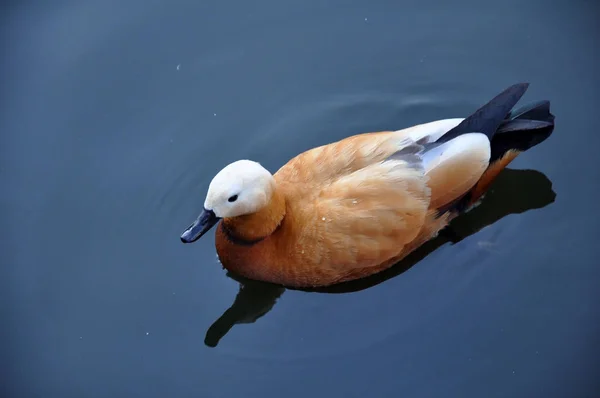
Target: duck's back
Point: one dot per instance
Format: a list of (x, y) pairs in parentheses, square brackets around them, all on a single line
[(321, 165)]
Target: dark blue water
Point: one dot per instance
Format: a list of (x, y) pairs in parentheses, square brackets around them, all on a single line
[(114, 116)]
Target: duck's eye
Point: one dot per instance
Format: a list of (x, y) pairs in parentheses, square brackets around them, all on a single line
[(232, 198)]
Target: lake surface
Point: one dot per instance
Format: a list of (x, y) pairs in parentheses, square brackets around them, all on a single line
[(115, 116)]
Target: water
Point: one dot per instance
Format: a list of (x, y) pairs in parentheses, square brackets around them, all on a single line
[(115, 116)]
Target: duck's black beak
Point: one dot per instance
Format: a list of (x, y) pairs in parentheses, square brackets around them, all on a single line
[(205, 221)]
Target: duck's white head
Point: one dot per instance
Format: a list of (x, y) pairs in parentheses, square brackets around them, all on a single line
[(240, 188)]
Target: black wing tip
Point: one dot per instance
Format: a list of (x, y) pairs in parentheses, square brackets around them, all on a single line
[(488, 117), (523, 86), (518, 90)]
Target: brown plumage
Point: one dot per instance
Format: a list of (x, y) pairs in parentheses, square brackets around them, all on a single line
[(352, 208)]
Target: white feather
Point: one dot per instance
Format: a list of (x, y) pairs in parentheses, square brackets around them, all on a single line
[(461, 145)]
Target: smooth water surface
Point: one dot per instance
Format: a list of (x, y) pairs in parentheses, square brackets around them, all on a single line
[(116, 115)]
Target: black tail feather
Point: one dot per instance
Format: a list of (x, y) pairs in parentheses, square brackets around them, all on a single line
[(539, 110), (525, 128), (521, 125)]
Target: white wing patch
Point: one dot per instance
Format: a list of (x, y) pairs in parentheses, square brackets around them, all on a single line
[(463, 145), (454, 167)]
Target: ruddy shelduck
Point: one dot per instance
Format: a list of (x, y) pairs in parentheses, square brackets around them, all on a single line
[(355, 207)]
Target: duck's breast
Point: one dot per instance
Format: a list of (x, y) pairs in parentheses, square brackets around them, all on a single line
[(252, 260)]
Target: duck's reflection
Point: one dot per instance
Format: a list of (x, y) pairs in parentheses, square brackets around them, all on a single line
[(254, 299), (513, 192)]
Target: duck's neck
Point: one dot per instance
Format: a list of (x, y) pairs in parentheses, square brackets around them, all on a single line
[(257, 226)]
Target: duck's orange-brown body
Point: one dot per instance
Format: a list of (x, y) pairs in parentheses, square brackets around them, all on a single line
[(355, 207)]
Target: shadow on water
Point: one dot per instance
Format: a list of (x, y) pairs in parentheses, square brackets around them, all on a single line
[(513, 192)]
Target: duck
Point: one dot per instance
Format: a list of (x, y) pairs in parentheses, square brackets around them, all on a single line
[(352, 208)]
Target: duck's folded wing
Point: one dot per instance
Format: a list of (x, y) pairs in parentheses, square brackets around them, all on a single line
[(365, 217)]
